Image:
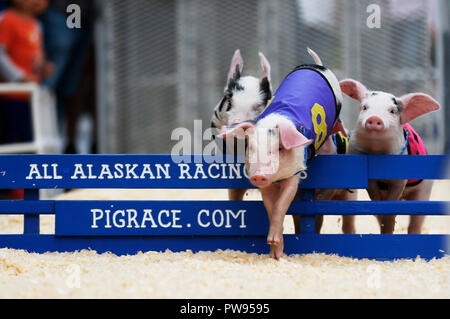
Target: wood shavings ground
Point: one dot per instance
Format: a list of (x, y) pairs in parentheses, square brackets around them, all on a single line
[(220, 274)]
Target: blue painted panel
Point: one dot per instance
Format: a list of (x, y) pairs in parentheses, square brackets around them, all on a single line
[(27, 207), (372, 208), (115, 171), (409, 167), (358, 246), (33, 207), (177, 218), (159, 171), (336, 171)]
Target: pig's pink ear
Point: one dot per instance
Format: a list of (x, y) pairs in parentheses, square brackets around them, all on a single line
[(236, 66), (415, 105), (354, 89), (238, 130), (291, 138), (339, 127)]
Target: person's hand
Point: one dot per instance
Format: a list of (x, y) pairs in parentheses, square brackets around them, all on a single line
[(47, 69), (38, 63), (31, 78)]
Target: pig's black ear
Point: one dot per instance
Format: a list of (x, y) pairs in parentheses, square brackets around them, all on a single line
[(236, 66), (266, 89)]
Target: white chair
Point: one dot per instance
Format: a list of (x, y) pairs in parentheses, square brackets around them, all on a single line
[(44, 118)]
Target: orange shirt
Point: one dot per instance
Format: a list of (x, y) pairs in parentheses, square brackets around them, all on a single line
[(22, 39)]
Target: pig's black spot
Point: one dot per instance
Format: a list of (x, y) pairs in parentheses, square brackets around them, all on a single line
[(233, 85), (264, 87), (237, 73), (395, 101), (374, 93), (315, 66), (338, 109), (229, 106), (224, 99), (213, 125)]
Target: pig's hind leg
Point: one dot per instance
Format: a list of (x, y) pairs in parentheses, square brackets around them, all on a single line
[(236, 194), (319, 218), (296, 218), (348, 221), (422, 193)]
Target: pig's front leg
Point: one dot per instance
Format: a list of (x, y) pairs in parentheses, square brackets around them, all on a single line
[(393, 193), (286, 195), (325, 194), (348, 221), (270, 195)]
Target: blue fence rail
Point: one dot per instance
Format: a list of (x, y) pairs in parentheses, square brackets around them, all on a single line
[(127, 227)]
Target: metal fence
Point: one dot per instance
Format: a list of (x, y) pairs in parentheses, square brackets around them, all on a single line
[(163, 64)]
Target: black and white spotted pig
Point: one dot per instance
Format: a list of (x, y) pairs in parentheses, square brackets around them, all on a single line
[(243, 100)]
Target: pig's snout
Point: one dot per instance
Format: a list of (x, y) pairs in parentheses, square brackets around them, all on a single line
[(259, 180), (374, 123)]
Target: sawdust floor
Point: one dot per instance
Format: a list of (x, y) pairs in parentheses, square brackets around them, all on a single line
[(220, 274)]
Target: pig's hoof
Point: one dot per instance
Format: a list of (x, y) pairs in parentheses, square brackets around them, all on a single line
[(275, 237), (276, 252)]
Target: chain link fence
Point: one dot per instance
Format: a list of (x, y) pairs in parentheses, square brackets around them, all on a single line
[(163, 64)]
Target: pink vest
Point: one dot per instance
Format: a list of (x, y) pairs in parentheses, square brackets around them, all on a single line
[(415, 146)]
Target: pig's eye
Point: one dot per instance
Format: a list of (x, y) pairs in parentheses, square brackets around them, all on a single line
[(392, 110), (364, 107)]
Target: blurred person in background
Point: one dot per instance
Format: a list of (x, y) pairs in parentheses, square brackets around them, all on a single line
[(71, 51), (22, 59)]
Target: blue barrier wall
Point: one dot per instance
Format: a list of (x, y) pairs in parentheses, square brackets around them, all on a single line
[(126, 227)]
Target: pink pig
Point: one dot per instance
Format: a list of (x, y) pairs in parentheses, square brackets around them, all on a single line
[(381, 129), (243, 100), (292, 127)]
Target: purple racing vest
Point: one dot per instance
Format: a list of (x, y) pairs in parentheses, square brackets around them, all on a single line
[(307, 99)]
